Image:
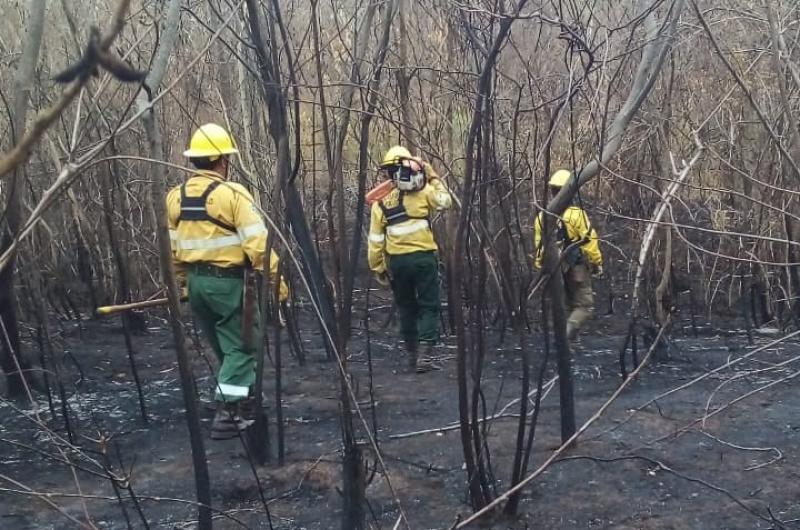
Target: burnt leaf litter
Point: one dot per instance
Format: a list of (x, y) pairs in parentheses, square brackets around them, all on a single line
[(659, 466)]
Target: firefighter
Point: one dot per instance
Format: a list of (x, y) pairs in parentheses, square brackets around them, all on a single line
[(217, 234), (583, 259), (402, 250)]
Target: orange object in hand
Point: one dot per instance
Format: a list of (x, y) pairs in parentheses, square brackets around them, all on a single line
[(379, 192)]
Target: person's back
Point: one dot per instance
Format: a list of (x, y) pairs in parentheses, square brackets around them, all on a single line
[(577, 238), (217, 235), (404, 217), (575, 234), (402, 249), (228, 231)]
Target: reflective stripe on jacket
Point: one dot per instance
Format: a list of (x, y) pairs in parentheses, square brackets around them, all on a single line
[(412, 234), (201, 241)]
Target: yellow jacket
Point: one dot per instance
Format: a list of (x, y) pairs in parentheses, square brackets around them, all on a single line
[(203, 241), (413, 234), (577, 227)]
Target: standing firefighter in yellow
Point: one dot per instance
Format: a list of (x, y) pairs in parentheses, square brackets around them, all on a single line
[(402, 250), (217, 234), (578, 239)]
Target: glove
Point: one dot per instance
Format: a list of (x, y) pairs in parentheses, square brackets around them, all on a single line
[(597, 271), (414, 164), (382, 278), (430, 173)]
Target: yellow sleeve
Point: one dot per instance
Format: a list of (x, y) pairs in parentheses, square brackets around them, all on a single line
[(579, 222), (537, 241), (376, 248), (430, 172), (253, 233), (173, 213), (438, 195)]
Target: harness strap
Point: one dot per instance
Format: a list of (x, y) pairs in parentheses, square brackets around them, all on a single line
[(575, 254), (563, 233), (195, 208), (398, 214)]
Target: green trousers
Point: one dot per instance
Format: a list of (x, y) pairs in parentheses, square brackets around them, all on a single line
[(415, 283), (217, 304)]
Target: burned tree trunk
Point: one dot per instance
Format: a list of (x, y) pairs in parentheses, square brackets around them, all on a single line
[(653, 55), (353, 514), (792, 231), (663, 291), (13, 363), (158, 212), (477, 482), (402, 73)]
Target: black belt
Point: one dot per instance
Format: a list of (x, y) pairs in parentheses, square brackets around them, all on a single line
[(206, 269)]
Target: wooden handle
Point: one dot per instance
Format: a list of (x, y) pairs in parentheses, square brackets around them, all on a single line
[(111, 309)]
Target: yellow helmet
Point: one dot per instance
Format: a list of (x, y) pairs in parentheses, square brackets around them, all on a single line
[(395, 155), (560, 178), (212, 141)]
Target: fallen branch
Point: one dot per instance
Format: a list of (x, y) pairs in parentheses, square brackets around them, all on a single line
[(501, 414), (46, 495), (697, 380), (722, 408), (45, 498), (778, 453), (568, 443), (662, 466), (746, 374)]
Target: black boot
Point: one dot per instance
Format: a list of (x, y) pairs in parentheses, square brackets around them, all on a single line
[(247, 408), (425, 362), (228, 421), (411, 347)]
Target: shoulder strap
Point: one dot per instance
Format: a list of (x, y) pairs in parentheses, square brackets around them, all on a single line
[(563, 232), (398, 214), (395, 214), (211, 187), (195, 208), (576, 253)]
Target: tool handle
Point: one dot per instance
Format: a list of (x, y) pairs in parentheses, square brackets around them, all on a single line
[(111, 309)]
